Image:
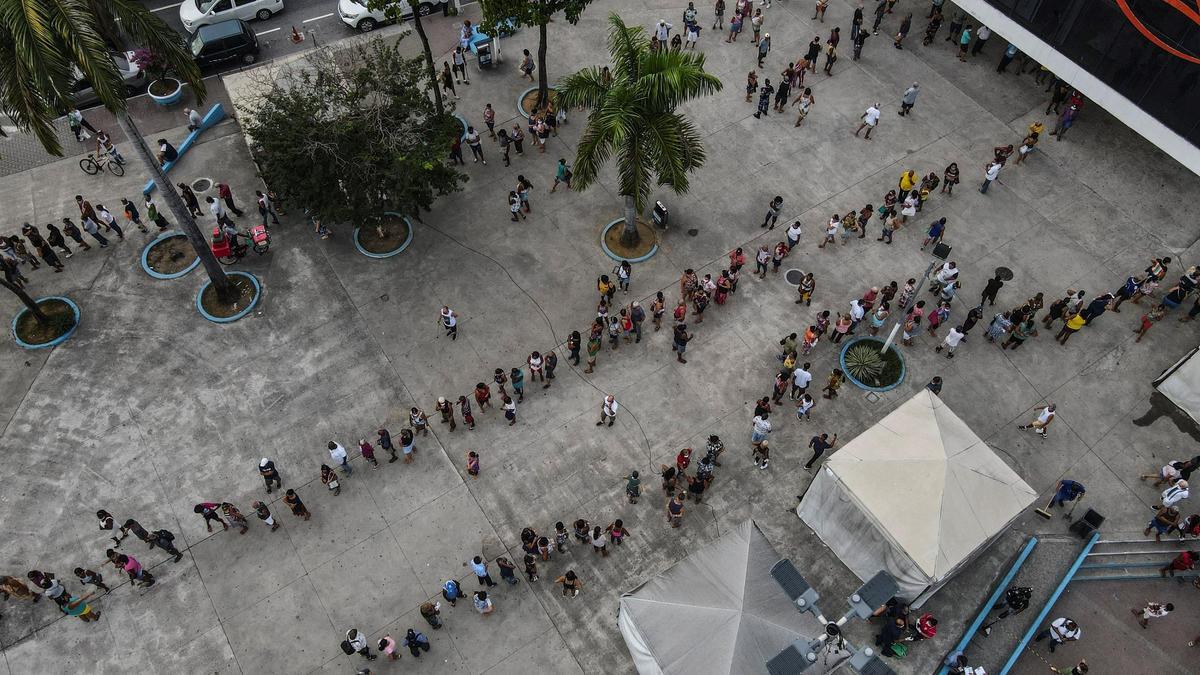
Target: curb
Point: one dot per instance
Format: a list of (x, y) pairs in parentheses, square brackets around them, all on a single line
[(380, 256), (56, 341), (522, 95), (463, 121), (159, 275), (609, 252), (235, 317), (860, 385)]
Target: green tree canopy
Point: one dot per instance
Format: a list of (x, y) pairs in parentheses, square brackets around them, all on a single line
[(632, 117), (499, 14), (349, 142)]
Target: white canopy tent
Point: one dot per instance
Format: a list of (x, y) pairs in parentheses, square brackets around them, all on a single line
[(918, 495), (1181, 384), (716, 611)]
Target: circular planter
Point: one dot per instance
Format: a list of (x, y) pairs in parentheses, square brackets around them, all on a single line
[(899, 377), (159, 241), (233, 317), (463, 121), (173, 87), (618, 257), (550, 91), (17, 320), (386, 254)]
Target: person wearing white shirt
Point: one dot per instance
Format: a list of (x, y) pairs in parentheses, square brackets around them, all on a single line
[(981, 37), (338, 454), (450, 322), (218, 211), (608, 410), (800, 380), (793, 234), (869, 120), (1176, 493), (358, 642), (758, 440), (1060, 631), (951, 342), (109, 220), (194, 119), (991, 173), (805, 404), (857, 312), (1044, 418), (663, 31)]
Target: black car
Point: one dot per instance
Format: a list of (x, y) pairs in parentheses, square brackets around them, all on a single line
[(225, 42)]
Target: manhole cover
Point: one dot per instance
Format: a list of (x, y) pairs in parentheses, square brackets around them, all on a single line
[(793, 276), (693, 232), (384, 297), (872, 396), (1004, 274), (202, 185)]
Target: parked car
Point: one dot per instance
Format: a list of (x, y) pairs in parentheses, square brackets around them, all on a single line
[(82, 93), (357, 16), (196, 13), (221, 43)]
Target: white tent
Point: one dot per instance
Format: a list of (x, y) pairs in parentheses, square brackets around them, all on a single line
[(716, 611), (1181, 384), (918, 495)]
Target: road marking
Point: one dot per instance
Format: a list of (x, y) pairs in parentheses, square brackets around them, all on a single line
[(266, 32), (166, 7), (318, 18)]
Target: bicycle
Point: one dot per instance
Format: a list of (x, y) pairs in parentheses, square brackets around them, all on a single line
[(93, 165)]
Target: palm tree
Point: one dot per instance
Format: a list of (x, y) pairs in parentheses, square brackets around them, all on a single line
[(46, 44), (633, 116)]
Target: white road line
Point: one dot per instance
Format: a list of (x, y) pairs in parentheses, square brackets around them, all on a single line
[(318, 18), (166, 7), (266, 32)]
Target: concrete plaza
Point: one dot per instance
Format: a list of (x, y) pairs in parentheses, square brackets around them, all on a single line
[(149, 409)]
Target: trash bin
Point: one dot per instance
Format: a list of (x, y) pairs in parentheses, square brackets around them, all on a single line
[(659, 215), (483, 53)]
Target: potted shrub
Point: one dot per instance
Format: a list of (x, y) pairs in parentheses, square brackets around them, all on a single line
[(868, 367), (163, 90)]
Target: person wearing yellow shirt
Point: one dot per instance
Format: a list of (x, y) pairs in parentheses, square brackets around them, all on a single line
[(908, 179), (1070, 328)]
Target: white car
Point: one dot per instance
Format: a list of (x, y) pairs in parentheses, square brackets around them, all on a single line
[(357, 15), (82, 93), (196, 13)]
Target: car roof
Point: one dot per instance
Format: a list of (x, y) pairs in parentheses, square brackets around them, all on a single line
[(221, 30)]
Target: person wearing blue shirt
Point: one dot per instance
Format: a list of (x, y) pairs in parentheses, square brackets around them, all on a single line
[(1067, 491), (1009, 54)]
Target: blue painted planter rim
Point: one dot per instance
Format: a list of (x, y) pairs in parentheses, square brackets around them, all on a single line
[(235, 317), (146, 257), (169, 98), (522, 95), (398, 251), (861, 385), (56, 341), (462, 120), (609, 252)]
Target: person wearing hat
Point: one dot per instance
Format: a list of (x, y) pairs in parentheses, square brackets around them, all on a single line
[(764, 46), (266, 469), (446, 408), (663, 30)]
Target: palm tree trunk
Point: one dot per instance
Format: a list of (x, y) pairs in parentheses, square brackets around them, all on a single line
[(28, 301), (543, 83), (213, 267), (429, 70), (630, 236)]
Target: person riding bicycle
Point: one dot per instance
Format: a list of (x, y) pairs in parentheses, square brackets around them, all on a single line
[(104, 145)]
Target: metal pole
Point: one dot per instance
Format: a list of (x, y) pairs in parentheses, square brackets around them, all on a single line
[(915, 296)]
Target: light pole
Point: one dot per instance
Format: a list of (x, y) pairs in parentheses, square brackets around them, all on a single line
[(940, 253)]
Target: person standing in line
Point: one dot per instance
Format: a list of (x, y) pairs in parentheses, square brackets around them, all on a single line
[(109, 220), (905, 26), (464, 406), (235, 517), (296, 505), (1073, 325), (675, 510), (415, 641), (338, 454), (981, 38), (356, 643), (608, 410), (219, 212), (964, 42), (880, 10), (909, 99), (758, 439), (266, 469), (153, 214), (680, 341), (1061, 630), (208, 510), (1010, 53), (1041, 425), (819, 445), (991, 173), (12, 587), (950, 343), (719, 15), (431, 611), (85, 576), (54, 237), (190, 200), (483, 604), (225, 193), (593, 348), (446, 409), (476, 146), (132, 215), (78, 606), (135, 571), (509, 407), (264, 514), (1176, 493), (870, 119), (764, 46), (385, 442)]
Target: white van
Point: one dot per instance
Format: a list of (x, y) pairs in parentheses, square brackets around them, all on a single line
[(196, 13), (356, 15)]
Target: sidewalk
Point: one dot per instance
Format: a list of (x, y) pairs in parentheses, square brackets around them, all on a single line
[(149, 409)]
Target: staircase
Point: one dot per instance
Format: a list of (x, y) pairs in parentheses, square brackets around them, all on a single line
[(1134, 558)]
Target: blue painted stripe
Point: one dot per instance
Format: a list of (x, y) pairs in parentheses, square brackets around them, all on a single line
[(1138, 577), (1062, 586), (1000, 588), (214, 115)]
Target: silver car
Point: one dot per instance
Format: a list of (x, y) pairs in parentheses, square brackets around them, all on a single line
[(83, 95)]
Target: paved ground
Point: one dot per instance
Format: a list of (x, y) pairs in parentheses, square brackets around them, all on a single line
[(149, 409)]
